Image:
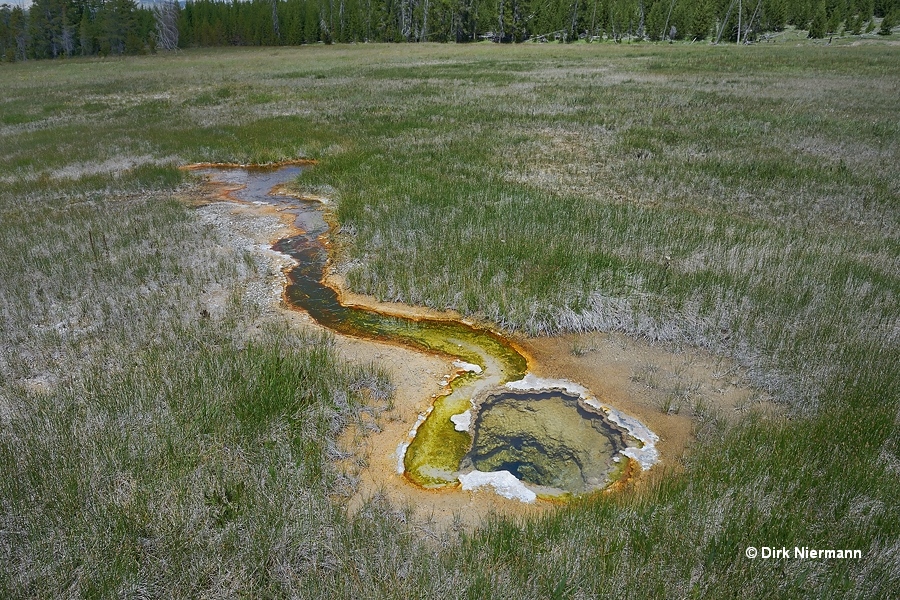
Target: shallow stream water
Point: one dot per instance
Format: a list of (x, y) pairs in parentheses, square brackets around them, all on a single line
[(549, 440)]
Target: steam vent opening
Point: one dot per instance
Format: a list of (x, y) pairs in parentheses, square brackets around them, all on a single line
[(549, 440)]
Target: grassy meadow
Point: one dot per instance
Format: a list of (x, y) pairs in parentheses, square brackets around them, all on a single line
[(745, 200)]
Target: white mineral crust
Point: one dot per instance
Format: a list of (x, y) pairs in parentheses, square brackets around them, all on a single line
[(504, 483), (462, 421)]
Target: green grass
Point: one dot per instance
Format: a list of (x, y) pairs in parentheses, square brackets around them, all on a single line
[(743, 200)]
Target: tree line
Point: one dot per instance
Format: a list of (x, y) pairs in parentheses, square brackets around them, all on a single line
[(58, 28)]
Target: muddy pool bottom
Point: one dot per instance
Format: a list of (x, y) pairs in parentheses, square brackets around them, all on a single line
[(551, 434), (547, 439)]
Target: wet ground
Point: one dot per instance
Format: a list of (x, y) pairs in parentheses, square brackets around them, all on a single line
[(547, 439)]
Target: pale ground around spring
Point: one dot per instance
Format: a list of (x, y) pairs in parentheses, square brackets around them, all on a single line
[(673, 391)]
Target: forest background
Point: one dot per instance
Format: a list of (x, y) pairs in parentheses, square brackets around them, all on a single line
[(65, 28)]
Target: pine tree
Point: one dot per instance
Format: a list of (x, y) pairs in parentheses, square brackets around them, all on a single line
[(775, 15), (7, 40), (819, 22), (888, 23), (800, 13), (18, 25), (40, 29), (656, 25), (702, 20), (7, 43)]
